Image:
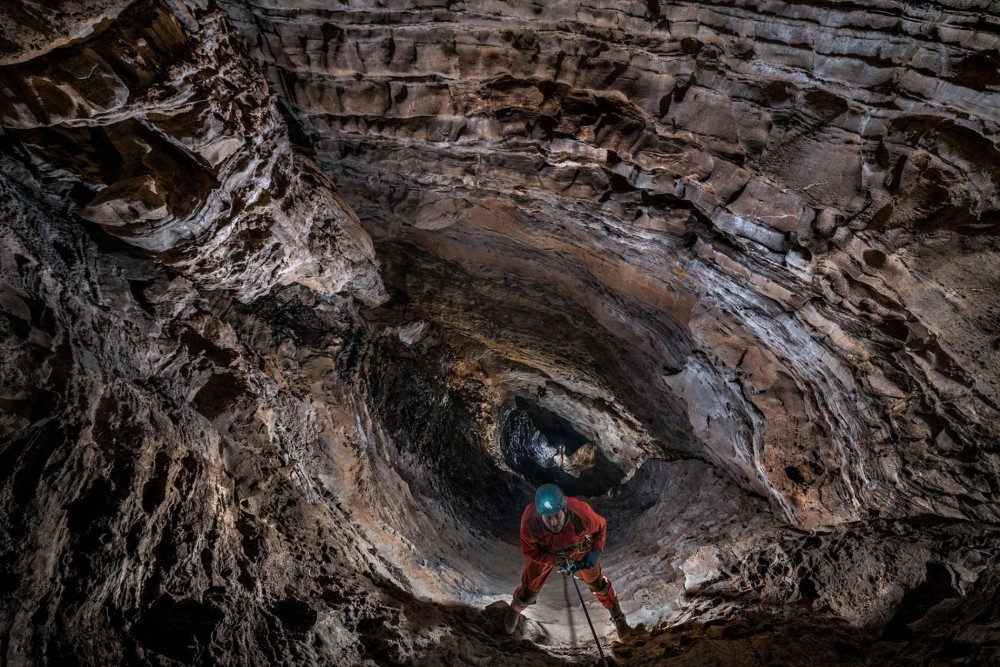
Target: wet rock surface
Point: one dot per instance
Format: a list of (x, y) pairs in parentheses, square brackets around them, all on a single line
[(298, 301)]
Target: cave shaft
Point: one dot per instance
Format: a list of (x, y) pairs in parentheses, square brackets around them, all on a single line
[(299, 301)]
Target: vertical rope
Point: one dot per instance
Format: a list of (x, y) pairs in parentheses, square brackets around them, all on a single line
[(583, 604), (569, 613)]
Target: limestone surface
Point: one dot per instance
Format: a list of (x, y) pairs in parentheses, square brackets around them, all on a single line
[(299, 300)]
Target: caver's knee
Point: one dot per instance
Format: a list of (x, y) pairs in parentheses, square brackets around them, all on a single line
[(527, 598), (591, 576), (605, 592), (600, 586)]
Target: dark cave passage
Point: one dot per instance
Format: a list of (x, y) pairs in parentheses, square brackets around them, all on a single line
[(442, 439), (543, 447)]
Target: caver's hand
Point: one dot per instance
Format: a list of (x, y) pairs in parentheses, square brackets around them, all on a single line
[(587, 562)]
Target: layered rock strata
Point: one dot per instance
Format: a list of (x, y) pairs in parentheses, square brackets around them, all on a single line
[(158, 128), (763, 233), (188, 480), (273, 275)]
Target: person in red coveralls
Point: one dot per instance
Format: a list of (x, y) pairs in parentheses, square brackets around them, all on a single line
[(568, 533)]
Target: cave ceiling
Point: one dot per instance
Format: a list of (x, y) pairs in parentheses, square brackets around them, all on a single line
[(280, 269)]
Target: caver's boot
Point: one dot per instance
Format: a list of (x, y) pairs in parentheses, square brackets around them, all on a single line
[(517, 605), (621, 623), (510, 618)]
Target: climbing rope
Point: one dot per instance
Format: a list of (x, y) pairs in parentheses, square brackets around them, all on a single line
[(569, 613), (600, 651)]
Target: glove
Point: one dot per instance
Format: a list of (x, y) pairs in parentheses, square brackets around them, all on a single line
[(590, 560), (587, 562)]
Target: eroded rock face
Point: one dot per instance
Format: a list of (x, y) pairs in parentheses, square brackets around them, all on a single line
[(191, 480), (742, 226), (163, 132), (273, 275)]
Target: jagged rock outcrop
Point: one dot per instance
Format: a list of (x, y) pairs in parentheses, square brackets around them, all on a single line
[(161, 131), (296, 300)]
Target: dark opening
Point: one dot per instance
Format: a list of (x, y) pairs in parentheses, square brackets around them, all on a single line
[(542, 446)]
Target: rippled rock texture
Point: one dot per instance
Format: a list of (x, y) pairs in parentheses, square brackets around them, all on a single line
[(300, 298), (764, 233), (164, 134)]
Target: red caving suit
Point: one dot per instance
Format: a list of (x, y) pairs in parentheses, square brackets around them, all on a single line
[(584, 530)]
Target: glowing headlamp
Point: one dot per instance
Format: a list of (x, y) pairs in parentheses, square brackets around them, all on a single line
[(549, 499)]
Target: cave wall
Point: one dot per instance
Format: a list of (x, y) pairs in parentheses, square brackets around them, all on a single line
[(271, 270), (761, 232), (734, 216), (158, 128), (190, 479)]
